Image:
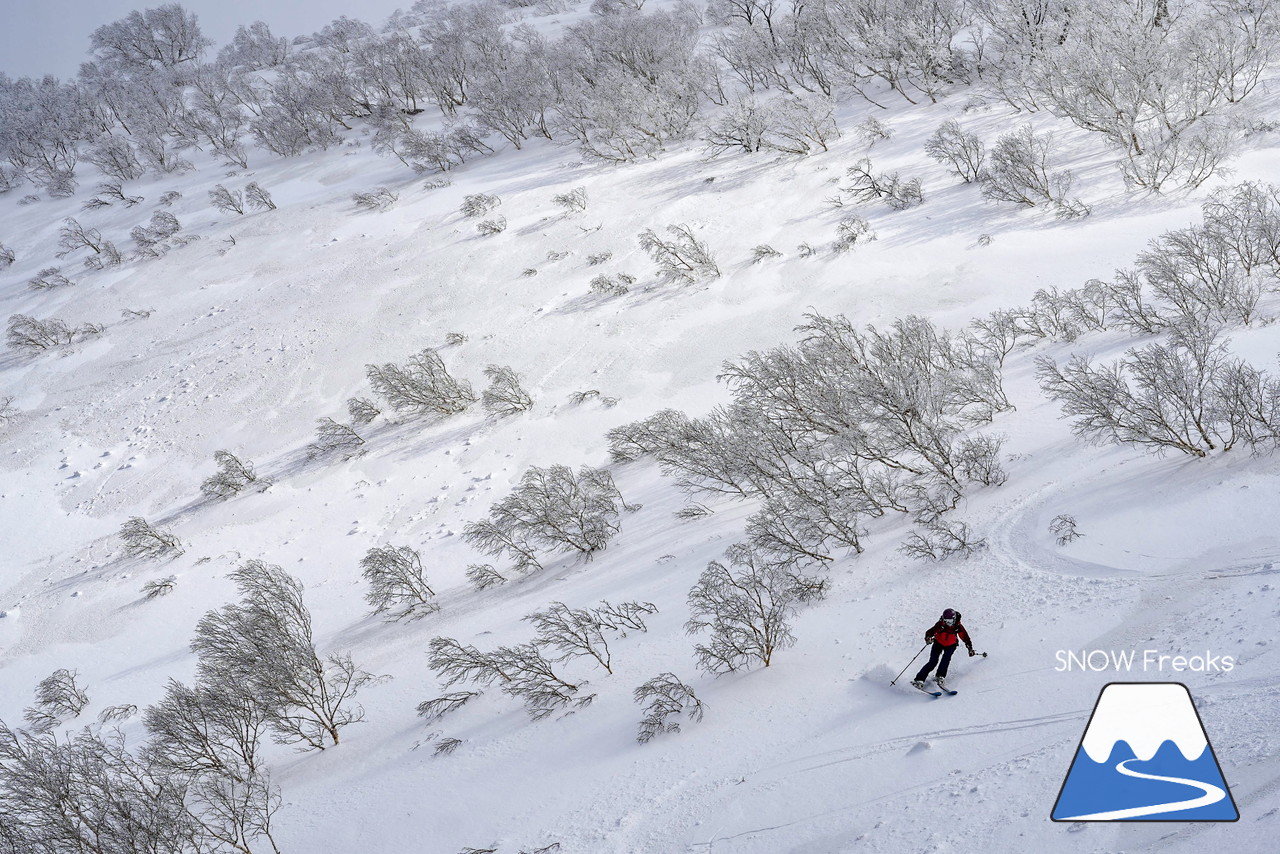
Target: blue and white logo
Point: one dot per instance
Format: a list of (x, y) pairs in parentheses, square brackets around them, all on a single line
[(1145, 757)]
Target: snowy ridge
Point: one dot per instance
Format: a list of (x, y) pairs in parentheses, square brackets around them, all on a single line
[(1144, 716)]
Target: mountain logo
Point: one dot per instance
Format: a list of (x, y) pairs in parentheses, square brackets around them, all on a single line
[(1145, 756)]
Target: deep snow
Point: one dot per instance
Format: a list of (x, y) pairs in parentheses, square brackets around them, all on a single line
[(248, 346)]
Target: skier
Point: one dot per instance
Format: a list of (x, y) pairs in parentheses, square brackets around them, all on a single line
[(945, 635)]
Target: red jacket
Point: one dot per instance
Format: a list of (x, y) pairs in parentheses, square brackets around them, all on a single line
[(948, 635)]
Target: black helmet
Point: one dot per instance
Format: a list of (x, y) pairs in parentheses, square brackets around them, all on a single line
[(951, 614)]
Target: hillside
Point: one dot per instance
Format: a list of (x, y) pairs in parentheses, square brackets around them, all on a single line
[(241, 339)]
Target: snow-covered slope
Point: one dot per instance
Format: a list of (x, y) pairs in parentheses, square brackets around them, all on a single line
[(251, 340)]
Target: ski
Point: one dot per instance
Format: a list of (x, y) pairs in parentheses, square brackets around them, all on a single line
[(948, 693), (927, 691)]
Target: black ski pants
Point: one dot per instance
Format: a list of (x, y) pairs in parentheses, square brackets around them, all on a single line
[(939, 657)]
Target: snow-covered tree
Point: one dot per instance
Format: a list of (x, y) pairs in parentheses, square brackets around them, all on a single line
[(940, 539), (573, 633), (504, 395), (227, 201), (264, 644), (665, 697), (746, 608), (155, 238), (397, 582), (619, 284), (303, 113), (455, 662), (682, 257), (423, 385), (852, 231), (209, 727), (380, 199), (1063, 528), (157, 587), (216, 115), (478, 204), (574, 201), (844, 428), (532, 680), (111, 192), (43, 124), (142, 539), (551, 510), (24, 332), (483, 576), (912, 46), (438, 707), (809, 524), (254, 48), (116, 157), (234, 475), (1018, 171), (629, 83), (161, 37), (257, 197), (1187, 395), (86, 792), (59, 698), (48, 279), (961, 151), (664, 430), (332, 437), (362, 410), (895, 191), (580, 632), (515, 86), (1150, 78), (790, 125), (520, 671)]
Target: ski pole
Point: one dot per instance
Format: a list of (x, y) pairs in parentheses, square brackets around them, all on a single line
[(911, 662)]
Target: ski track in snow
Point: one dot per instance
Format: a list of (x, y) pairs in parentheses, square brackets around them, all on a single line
[(831, 758)]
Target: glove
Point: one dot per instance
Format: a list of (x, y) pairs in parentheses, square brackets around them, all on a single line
[(971, 652)]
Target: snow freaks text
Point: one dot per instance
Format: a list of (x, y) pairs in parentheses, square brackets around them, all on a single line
[(1146, 660)]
